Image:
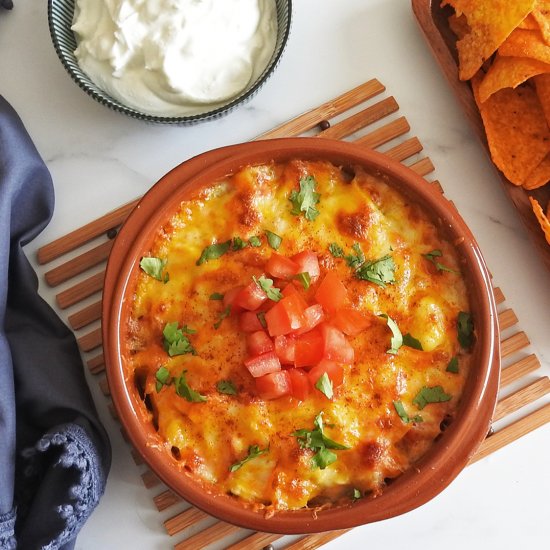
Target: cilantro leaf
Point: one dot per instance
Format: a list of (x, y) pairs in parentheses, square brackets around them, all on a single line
[(227, 387), (213, 252), (175, 340), (336, 250), (316, 440), (355, 261), (357, 494), (397, 338), (273, 239), (412, 342), (453, 365), (255, 241), (324, 385), (400, 410), (434, 394), (238, 244), (465, 328), (162, 377), (223, 315), (216, 296), (431, 256), (304, 278), (184, 390), (253, 452), (273, 293), (305, 199), (154, 268), (380, 271)]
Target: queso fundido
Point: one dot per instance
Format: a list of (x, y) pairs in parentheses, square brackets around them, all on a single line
[(300, 334)]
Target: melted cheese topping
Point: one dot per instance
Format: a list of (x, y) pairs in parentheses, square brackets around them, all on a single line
[(207, 438)]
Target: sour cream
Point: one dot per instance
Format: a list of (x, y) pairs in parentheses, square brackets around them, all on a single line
[(174, 57)]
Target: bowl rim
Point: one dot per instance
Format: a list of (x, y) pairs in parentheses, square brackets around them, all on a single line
[(86, 84), (433, 472)]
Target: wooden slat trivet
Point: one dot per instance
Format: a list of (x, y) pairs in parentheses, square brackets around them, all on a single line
[(82, 281)]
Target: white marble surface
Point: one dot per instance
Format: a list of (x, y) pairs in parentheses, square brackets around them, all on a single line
[(100, 159)]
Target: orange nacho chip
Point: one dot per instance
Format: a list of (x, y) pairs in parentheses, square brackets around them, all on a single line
[(517, 133), (541, 217), (459, 25), (542, 85), (509, 72), (523, 43), (541, 14), (539, 176), (490, 22), (529, 23)]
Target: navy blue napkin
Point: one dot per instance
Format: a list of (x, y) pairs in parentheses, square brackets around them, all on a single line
[(54, 453)]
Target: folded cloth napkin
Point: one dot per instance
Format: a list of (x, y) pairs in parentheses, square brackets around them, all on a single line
[(54, 453)]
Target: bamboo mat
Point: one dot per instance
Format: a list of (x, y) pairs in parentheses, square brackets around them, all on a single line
[(369, 116)]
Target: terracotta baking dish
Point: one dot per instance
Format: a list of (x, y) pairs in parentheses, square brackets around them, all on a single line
[(452, 450)]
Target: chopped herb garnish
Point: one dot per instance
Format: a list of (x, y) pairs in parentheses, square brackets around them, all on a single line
[(253, 452), (216, 296), (261, 318), (162, 377), (465, 328), (336, 250), (184, 390), (453, 365), (273, 239), (319, 442), (223, 315), (238, 243), (412, 342), (273, 293), (324, 385), (175, 339), (304, 278), (427, 395), (154, 268), (305, 199), (431, 256), (380, 271), (357, 494), (357, 260), (400, 410), (214, 251), (255, 241), (397, 338), (227, 387)]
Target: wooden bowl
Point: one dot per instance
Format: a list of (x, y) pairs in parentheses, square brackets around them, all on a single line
[(450, 453)]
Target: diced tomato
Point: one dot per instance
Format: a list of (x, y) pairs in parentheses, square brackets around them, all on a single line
[(308, 350), (331, 293), (284, 348), (307, 263), (258, 342), (314, 316), (273, 385), (299, 384), (281, 266), (350, 321), (249, 322), (229, 299), (263, 364), (285, 316), (335, 345), (251, 297), (291, 290), (333, 370)]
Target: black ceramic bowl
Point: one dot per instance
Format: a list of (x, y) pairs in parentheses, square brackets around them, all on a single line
[(60, 20)]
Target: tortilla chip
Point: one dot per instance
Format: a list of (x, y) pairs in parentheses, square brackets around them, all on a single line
[(509, 72), (541, 14), (516, 129), (539, 176), (542, 85), (542, 218), (529, 23), (522, 43), (459, 25), (490, 21)]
